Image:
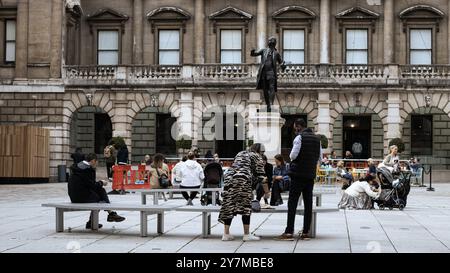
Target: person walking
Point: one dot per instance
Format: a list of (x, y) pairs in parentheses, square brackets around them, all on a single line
[(192, 176), (247, 169), (306, 154), (110, 154), (82, 187), (280, 181)]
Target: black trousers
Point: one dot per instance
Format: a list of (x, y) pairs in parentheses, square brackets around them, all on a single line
[(276, 192), (305, 188), (245, 220), (109, 171), (192, 194)]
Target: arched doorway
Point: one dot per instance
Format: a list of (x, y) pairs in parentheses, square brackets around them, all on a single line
[(90, 129), (151, 134)]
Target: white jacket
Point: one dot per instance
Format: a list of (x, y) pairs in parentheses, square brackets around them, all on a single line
[(359, 187), (176, 172), (191, 173)]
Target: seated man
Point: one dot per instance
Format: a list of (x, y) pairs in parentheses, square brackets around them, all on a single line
[(84, 189)]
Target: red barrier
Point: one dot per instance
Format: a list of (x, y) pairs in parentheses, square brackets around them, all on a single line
[(120, 177), (130, 177)]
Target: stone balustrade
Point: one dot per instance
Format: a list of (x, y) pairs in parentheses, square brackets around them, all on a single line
[(245, 74)]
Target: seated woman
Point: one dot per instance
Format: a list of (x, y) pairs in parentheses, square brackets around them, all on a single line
[(280, 180), (342, 174), (392, 159), (360, 194)]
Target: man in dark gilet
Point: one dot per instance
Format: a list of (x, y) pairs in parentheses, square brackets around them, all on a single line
[(267, 72)]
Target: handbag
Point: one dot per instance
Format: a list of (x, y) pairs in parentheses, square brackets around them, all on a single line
[(163, 180), (256, 206)]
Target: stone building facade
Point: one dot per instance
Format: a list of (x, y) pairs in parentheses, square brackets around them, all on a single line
[(358, 71)]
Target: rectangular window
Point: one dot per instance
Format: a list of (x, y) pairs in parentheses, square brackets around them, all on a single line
[(108, 47), (10, 41), (422, 135), (357, 46), (230, 46), (294, 46), (420, 46), (169, 47)]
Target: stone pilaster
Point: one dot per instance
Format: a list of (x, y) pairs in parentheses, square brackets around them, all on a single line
[(138, 32), (185, 119), (261, 23), (389, 29), (56, 39), (393, 118), (323, 117), (325, 31), (21, 71), (199, 32)]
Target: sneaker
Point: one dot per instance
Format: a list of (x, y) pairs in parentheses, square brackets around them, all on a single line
[(89, 225), (227, 237), (285, 237), (114, 217), (266, 206), (250, 237), (304, 236)]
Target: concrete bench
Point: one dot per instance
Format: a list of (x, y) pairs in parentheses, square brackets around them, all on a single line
[(95, 208), (156, 192), (207, 210)]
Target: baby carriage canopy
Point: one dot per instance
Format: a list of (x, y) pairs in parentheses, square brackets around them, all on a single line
[(213, 174)]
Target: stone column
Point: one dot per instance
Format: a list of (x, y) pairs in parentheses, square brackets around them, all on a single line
[(448, 35), (261, 23), (323, 117), (325, 33), (22, 40), (121, 120), (56, 39), (393, 118), (185, 119), (389, 29), (137, 32), (199, 32), (265, 128)]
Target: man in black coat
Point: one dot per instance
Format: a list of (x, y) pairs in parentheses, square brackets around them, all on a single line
[(267, 72), (83, 188)]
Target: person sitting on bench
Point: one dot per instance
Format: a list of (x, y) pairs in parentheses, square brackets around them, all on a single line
[(83, 188)]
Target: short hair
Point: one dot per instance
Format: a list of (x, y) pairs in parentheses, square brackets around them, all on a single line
[(184, 158), (78, 150), (370, 161), (300, 123), (340, 164), (264, 157), (191, 155), (279, 158), (91, 156)]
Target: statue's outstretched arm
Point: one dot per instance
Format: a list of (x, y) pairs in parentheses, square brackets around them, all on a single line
[(255, 53)]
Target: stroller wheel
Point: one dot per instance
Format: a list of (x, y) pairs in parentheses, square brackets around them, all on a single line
[(401, 207), (391, 208)]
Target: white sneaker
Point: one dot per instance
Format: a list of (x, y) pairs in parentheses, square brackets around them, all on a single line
[(266, 206), (227, 237), (251, 237)]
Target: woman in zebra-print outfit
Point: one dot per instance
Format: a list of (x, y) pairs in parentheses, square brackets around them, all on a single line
[(247, 169)]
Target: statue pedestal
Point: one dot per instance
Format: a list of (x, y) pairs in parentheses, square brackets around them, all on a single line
[(265, 128)]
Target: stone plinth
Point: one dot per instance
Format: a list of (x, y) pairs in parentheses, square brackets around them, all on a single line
[(265, 128)]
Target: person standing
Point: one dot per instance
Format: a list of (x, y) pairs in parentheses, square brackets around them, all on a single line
[(192, 176), (122, 155), (110, 154), (246, 170), (82, 187), (357, 149), (306, 154)]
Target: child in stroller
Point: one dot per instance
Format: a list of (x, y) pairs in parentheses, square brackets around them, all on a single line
[(213, 179), (395, 186)]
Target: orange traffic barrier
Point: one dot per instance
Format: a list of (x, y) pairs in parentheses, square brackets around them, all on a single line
[(120, 176), (137, 178)]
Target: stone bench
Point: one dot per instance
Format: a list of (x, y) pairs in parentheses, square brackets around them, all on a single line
[(95, 208), (207, 210), (156, 192)]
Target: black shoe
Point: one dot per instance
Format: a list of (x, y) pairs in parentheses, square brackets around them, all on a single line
[(89, 225), (114, 217)]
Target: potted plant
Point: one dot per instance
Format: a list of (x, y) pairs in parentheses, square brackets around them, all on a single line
[(323, 141), (184, 143)]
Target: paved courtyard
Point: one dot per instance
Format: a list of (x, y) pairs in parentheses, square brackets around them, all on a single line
[(27, 227)]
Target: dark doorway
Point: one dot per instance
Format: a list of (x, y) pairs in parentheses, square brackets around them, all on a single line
[(229, 140), (103, 132), (165, 144), (288, 134), (357, 136)]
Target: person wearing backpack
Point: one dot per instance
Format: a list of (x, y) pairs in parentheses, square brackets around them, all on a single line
[(110, 154)]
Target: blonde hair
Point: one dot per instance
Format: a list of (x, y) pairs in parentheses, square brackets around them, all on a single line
[(340, 164), (392, 147), (370, 161)]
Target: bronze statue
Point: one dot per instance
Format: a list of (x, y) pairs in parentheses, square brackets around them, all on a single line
[(267, 72)]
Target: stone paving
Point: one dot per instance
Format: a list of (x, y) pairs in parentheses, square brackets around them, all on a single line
[(27, 227)]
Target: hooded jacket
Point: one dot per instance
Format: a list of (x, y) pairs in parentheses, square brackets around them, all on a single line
[(191, 174), (82, 186)]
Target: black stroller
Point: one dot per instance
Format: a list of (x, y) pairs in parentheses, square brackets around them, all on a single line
[(213, 179), (395, 187)]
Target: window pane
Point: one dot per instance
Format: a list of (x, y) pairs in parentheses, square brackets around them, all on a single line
[(10, 52), (108, 40), (293, 39), (169, 39), (420, 39), (422, 135), (294, 56), (231, 57), (108, 58), (169, 57), (420, 57), (357, 39), (10, 30), (357, 57), (230, 39)]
